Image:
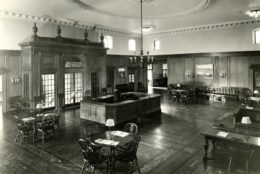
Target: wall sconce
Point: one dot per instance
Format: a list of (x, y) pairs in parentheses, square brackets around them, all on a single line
[(15, 80), (223, 75), (188, 74)]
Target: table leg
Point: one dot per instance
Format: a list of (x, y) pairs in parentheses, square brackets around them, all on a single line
[(206, 146), (214, 145)]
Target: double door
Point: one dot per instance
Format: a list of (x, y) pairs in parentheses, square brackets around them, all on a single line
[(73, 88)]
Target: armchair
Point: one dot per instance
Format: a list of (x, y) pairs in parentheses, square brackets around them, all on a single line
[(92, 156), (128, 154), (46, 127)]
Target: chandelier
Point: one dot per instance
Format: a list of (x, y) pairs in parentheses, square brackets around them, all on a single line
[(252, 12), (141, 59)]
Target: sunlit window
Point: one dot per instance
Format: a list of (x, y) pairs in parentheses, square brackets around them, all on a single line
[(257, 36), (157, 45), (48, 90), (108, 42), (131, 45)]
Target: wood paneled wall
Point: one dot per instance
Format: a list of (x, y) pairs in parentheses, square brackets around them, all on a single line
[(234, 66)]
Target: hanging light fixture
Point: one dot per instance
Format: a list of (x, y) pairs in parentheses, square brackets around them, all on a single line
[(252, 11), (141, 60)]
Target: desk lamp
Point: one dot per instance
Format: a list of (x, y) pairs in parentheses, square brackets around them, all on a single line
[(110, 123), (256, 93)]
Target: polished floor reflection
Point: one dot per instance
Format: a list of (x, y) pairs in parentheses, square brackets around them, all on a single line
[(171, 143)]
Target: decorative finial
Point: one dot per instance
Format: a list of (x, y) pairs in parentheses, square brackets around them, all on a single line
[(59, 31), (35, 29), (102, 39), (86, 35)]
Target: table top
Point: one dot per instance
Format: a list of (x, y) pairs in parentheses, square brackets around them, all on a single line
[(28, 119), (112, 138), (232, 136)]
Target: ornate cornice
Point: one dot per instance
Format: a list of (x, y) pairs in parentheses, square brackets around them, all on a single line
[(201, 6), (104, 29), (66, 22), (203, 27)]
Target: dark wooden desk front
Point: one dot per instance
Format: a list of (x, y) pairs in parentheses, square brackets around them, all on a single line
[(212, 134)]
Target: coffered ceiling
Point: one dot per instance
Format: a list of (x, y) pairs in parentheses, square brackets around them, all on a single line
[(124, 15)]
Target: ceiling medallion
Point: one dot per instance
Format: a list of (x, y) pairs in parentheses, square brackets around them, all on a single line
[(204, 4)]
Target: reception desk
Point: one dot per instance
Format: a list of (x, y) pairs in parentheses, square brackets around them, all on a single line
[(122, 111)]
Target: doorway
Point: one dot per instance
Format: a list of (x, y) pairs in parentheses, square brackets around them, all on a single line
[(73, 88)]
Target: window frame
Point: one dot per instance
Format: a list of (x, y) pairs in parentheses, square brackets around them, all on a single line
[(131, 45), (158, 45), (108, 42)]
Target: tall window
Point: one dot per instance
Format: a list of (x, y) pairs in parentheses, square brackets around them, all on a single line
[(108, 42), (156, 45), (131, 45), (131, 78), (48, 90), (257, 36), (165, 70)]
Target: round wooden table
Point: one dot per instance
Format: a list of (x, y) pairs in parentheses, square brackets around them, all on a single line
[(121, 137), (111, 140)]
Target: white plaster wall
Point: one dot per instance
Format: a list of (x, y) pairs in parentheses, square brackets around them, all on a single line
[(238, 38), (120, 44)]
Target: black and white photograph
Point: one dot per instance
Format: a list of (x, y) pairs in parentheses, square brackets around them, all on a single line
[(130, 86)]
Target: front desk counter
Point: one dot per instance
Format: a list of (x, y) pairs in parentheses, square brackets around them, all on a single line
[(122, 111)]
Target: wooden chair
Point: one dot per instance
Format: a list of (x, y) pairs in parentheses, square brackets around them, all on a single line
[(128, 154), (91, 129), (57, 117), (238, 150), (93, 157), (131, 128), (46, 127), (25, 130)]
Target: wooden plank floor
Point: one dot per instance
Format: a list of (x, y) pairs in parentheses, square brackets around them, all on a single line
[(171, 143)]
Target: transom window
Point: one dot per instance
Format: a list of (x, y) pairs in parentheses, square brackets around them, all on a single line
[(131, 45), (48, 90), (156, 45), (257, 36), (108, 42)]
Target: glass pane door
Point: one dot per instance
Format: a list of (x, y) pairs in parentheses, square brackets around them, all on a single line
[(48, 90), (73, 88)]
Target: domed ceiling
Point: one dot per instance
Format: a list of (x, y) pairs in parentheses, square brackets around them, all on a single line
[(124, 15)]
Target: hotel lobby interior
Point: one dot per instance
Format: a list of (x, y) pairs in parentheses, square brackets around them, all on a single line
[(130, 86)]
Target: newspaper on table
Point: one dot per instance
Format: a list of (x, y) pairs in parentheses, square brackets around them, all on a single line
[(107, 142), (222, 134), (119, 133)]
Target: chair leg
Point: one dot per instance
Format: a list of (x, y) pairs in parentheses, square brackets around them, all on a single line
[(22, 137), (18, 132), (229, 164), (136, 163), (247, 166), (43, 137), (83, 167)]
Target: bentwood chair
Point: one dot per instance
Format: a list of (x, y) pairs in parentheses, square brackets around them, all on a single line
[(93, 157), (241, 151), (46, 127), (128, 154), (131, 128), (25, 130), (91, 129)]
